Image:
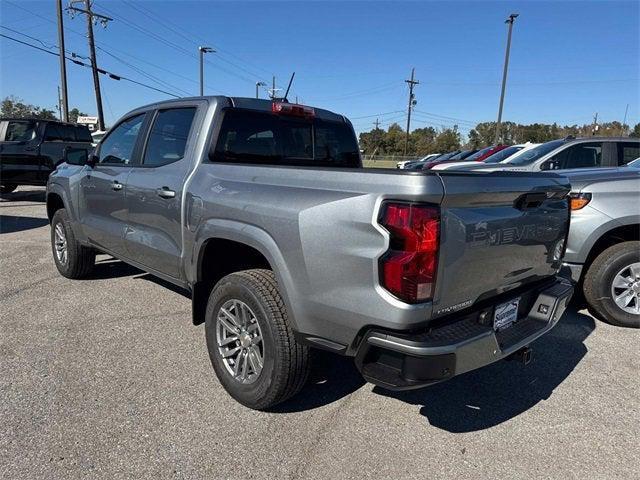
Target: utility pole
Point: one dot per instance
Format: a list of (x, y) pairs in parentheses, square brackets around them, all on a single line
[(258, 85), (273, 90), (623, 128), (92, 17), (60, 106), (510, 21), (201, 52), (411, 83), (594, 127), (63, 102), (377, 124)]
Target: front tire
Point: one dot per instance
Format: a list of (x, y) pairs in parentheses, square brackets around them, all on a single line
[(612, 285), (72, 259), (251, 344)]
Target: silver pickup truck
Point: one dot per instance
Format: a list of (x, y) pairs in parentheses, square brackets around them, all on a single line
[(264, 213)]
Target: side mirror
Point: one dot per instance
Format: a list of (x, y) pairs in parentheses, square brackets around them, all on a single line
[(76, 156)]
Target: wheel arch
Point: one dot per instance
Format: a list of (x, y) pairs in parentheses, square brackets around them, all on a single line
[(616, 234), (223, 247)]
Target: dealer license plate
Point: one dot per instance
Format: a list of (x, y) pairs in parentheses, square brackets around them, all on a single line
[(506, 314)]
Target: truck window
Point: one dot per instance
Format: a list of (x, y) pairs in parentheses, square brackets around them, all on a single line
[(168, 137), (117, 147), (20, 131), (265, 138), (628, 151), (56, 132), (83, 134)]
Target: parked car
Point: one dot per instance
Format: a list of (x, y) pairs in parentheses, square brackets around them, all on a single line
[(603, 247), (419, 164), (30, 149), (572, 153), (264, 213), (427, 164), (423, 159), (498, 157)]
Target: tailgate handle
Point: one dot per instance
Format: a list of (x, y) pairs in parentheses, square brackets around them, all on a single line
[(529, 201)]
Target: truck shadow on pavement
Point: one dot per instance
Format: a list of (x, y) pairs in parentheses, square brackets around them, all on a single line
[(34, 194), (492, 395), (12, 224)]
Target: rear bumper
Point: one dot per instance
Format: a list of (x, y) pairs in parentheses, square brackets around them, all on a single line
[(400, 361)]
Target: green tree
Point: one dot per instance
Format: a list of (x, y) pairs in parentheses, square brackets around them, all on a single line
[(635, 133), (447, 140), (15, 107), (74, 113)]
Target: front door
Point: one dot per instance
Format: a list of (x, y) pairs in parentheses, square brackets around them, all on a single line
[(153, 235), (103, 209)]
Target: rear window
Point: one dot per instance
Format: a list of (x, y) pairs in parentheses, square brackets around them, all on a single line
[(83, 134), (627, 152), (20, 131), (56, 132), (264, 138)]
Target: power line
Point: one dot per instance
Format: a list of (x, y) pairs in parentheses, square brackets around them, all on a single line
[(113, 76)]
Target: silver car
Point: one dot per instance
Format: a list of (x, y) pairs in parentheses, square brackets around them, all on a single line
[(603, 248)]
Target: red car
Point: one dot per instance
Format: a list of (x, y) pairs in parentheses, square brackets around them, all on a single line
[(480, 155)]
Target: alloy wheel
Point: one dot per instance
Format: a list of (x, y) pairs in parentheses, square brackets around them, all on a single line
[(60, 244), (239, 339), (625, 289)]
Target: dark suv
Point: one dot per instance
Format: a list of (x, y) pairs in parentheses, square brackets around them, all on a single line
[(30, 149)]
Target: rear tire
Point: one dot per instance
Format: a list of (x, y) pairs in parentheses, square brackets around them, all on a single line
[(7, 188), (599, 281), (284, 365), (72, 259)]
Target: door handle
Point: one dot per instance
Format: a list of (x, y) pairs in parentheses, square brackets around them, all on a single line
[(116, 185), (165, 192)]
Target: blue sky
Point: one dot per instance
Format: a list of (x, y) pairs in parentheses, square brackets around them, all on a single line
[(568, 59)]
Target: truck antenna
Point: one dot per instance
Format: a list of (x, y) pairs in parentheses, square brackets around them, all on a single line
[(289, 86)]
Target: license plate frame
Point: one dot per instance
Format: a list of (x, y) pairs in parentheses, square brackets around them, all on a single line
[(506, 314)]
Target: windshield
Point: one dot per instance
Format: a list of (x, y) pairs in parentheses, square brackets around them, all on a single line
[(461, 155), (534, 154), (502, 155), (480, 153), (635, 163)]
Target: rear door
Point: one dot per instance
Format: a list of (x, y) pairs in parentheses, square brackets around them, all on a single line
[(500, 230), (153, 235), (103, 211)]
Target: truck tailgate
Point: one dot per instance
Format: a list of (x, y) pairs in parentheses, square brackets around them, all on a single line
[(499, 231)]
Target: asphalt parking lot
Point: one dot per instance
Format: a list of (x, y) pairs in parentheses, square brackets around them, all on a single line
[(109, 378)]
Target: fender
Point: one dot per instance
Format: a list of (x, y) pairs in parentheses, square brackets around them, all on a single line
[(252, 236)]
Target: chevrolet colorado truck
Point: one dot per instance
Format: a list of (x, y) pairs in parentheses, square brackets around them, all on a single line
[(264, 213)]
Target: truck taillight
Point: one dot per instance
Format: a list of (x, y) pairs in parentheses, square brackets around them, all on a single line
[(408, 268)]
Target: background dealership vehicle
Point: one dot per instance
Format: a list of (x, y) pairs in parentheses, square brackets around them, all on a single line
[(31, 149), (498, 157), (603, 249), (432, 161), (424, 159), (572, 153), (264, 212)]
